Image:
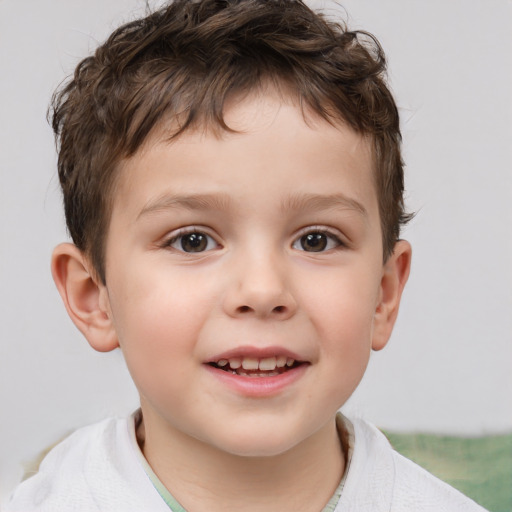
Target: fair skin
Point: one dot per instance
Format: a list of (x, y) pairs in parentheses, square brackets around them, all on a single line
[(255, 248)]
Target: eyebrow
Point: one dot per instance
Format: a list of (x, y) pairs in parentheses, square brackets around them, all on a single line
[(295, 202), (323, 202), (188, 202)]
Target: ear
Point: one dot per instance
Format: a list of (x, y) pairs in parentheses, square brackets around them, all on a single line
[(394, 276), (84, 296)]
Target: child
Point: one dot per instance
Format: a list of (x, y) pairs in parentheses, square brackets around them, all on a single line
[(233, 186)]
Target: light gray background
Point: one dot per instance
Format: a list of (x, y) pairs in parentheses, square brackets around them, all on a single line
[(448, 366)]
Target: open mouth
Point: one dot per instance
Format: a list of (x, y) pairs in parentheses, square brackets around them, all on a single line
[(254, 367)]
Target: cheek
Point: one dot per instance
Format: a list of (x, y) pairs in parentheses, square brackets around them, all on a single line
[(157, 303), (343, 316), (158, 320), (346, 342), (343, 306), (345, 351)]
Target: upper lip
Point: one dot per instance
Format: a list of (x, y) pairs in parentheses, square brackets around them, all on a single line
[(256, 353)]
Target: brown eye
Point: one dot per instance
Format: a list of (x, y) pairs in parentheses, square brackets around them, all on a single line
[(313, 242), (194, 241), (317, 241)]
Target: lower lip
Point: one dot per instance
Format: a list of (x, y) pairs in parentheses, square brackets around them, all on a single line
[(258, 386)]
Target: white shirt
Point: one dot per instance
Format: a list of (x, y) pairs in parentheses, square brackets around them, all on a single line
[(98, 468)]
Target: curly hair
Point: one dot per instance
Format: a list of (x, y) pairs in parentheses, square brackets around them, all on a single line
[(183, 62)]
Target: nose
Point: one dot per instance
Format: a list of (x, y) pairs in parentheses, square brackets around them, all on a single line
[(260, 287)]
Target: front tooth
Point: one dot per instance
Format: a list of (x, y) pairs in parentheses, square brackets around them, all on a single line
[(281, 361), (267, 364), (290, 361), (235, 363), (250, 363)]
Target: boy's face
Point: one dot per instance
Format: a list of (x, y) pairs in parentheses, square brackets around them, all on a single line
[(255, 248)]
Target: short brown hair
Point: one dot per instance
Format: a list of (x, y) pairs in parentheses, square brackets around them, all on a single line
[(184, 61)]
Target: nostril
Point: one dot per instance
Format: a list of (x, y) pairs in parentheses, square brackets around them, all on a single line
[(248, 309)]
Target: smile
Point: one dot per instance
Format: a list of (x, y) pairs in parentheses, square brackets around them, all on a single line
[(256, 372), (256, 367)]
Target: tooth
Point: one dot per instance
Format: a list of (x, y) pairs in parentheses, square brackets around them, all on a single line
[(267, 364), (290, 361), (235, 363), (281, 361), (250, 363), (222, 362), (255, 375)]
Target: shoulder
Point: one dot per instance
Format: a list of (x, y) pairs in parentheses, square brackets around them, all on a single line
[(417, 489), (380, 479), (93, 469), (62, 479)]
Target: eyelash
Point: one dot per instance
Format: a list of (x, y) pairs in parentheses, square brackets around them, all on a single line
[(182, 233), (331, 237), (300, 239)]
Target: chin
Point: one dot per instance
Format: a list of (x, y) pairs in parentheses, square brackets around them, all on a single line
[(257, 450), (257, 443)]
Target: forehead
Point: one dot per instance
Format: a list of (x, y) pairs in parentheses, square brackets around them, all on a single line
[(274, 146)]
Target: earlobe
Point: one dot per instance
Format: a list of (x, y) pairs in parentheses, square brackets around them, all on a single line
[(394, 277), (85, 298)]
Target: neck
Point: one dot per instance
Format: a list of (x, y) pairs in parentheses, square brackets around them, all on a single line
[(202, 477)]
